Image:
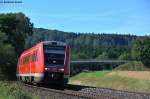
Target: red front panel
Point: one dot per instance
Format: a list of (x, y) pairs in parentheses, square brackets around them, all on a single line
[(62, 69)]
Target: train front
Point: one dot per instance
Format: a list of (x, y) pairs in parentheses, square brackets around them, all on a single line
[(57, 62)]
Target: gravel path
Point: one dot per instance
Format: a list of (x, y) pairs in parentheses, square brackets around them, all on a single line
[(116, 93)]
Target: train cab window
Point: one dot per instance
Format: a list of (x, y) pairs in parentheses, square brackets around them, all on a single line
[(54, 55)]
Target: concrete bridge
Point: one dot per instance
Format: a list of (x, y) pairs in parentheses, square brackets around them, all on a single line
[(94, 65)]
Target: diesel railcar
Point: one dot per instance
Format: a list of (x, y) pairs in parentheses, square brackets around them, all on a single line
[(46, 62)]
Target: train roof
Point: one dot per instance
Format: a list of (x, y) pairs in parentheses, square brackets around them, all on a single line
[(58, 43)]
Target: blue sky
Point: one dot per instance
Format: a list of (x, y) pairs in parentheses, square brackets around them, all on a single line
[(109, 16)]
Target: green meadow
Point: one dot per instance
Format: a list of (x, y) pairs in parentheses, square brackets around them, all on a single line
[(121, 80)]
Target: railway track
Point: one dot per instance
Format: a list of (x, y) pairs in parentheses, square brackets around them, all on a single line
[(63, 93), (81, 92)]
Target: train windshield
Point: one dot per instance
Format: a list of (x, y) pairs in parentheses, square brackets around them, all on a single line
[(54, 55)]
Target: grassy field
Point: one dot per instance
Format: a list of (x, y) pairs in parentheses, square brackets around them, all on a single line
[(13, 91), (136, 81)]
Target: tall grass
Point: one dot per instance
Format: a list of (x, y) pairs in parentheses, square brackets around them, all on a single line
[(12, 91)]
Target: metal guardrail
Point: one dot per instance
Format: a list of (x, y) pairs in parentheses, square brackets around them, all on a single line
[(100, 61)]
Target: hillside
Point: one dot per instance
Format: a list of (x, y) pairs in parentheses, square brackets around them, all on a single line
[(86, 45), (84, 38)]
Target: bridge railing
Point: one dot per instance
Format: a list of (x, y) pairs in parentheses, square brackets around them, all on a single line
[(94, 65)]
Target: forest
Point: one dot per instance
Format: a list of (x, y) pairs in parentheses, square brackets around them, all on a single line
[(87, 45), (18, 33)]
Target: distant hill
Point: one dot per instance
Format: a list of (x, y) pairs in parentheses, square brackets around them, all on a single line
[(85, 38), (86, 45)]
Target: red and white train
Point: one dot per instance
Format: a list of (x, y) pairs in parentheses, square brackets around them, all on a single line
[(46, 62)]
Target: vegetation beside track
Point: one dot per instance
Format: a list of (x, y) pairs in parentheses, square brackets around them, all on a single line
[(114, 80), (132, 66), (10, 90)]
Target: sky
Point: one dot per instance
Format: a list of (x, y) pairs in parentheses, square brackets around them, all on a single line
[(98, 16)]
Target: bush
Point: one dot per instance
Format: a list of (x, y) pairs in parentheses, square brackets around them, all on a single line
[(141, 50), (125, 56)]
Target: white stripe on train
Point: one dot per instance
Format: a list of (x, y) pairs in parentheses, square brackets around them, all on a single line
[(37, 75), (33, 74)]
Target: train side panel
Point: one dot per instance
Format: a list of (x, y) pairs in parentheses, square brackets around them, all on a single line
[(67, 64), (31, 66)]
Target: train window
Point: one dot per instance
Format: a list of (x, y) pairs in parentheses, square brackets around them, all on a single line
[(36, 55), (33, 57), (26, 60), (54, 55)]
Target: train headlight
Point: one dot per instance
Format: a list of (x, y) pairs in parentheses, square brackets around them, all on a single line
[(61, 70), (46, 68)]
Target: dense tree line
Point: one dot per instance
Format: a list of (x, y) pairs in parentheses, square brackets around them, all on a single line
[(14, 28), (87, 45), (141, 50)]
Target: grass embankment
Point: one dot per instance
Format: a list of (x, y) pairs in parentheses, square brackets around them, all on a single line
[(132, 66), (136, 81), (13, 91)]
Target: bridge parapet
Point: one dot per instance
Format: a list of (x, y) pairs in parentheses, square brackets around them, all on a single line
[(94, 65)]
